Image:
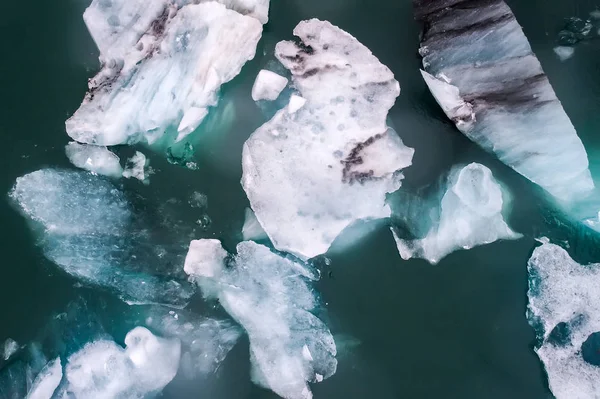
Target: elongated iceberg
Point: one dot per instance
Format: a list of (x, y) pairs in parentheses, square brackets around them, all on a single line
[(273, 300), (328, 161), (95, 159), (163, 62), (470, 214), (86, 226), (480, 68), (46, 381), (564, 308)]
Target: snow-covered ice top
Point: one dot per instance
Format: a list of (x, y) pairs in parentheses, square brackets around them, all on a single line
[(96, 159), (470, 215), (483, 73), (564, 307), (273, 300), (162, 66), (104, 370), (85, 227), (312, 171), (268, 85)]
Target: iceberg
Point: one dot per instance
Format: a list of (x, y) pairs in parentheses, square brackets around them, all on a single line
[(268, 85), (10, 347), (46, 381), (104, 370), (273, 300), (480, 68), (470, 214), (95, 159), (86, 227), (137, 167), (564, 309), (315, 169), (163, 63)]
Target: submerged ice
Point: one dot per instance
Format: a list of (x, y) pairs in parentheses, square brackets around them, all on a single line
[(564, 308), (163, 62), (85, 226), (95, 159), (318, 167), (501, 99), (273, 300), (470, 214)]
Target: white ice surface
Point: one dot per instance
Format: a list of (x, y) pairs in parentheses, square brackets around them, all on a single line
[(46, 381), (9, 348), (104, 370), (95, 159), (166, 67), (137, 167), (470, 215), (311, 173), (272, 298), (563, 291), (268, 85)]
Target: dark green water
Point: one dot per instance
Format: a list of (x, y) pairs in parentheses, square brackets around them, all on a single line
[(455, 330)]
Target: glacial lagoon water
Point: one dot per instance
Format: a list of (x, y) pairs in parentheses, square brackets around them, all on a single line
[(404, 329)]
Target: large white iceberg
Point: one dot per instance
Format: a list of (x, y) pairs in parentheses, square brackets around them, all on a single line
[(312, 171), (104, 370), (85, 226), (481, 70), (564, 308), (273, 300), (470, 215), (163, 63)]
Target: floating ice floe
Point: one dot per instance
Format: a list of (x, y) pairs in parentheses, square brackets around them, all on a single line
[(163, 62), (104, 370), (137, 167), (252, 230), (268, 85), (316, 168), (96, 159), (564, 308), (470, 214), (564, 52), (273, 300), (46, 381), (9, 349), (85, 227), (205, 342), (501, 99)]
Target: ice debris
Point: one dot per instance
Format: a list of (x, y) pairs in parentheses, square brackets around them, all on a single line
[(268, 85), (205, 342), (273, 300), (312, 171), (95, 159), (470, 215), (564, 308), (138, 168), (104, 370), (10, 347), (564, 52), (252, 230), (86, 229), (163, 62), (500, 99), (46, 381)]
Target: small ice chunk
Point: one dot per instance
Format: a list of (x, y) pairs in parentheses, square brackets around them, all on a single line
[(564, 52), (252, 230), (311, 172), (167, 64), (96, 159), (273, 300), (137, 167), (296, 102), (104, 370), (564, 309), (268, 85), (10, 347), (47, 381), (470, 215), (205, 258)]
